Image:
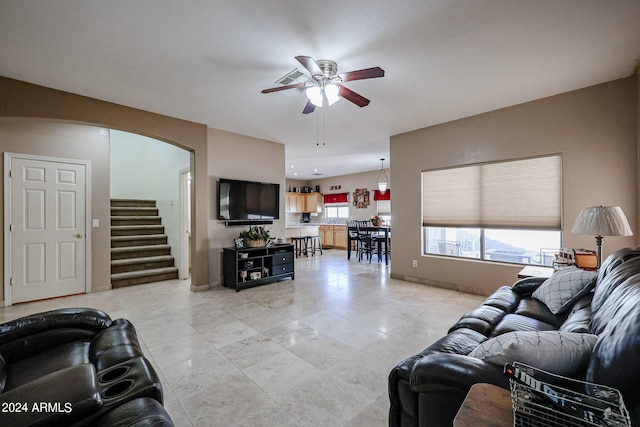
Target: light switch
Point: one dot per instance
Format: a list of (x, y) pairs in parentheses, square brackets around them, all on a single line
[(95, 223)]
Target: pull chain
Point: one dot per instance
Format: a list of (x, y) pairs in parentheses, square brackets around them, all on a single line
[(324, 129)]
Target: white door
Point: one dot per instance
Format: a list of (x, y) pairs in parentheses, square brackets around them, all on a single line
[(48, 228), (185, 223)]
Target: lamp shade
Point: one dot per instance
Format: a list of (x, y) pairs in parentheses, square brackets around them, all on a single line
[(314, 93), (318, 94), (331, 91), (602, 221)]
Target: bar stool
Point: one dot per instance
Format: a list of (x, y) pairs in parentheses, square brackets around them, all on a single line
[(312, 240), (300, 245)]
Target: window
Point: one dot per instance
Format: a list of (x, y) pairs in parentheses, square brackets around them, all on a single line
[(384, 211), (336, 211), (501, 245), (504, 211)]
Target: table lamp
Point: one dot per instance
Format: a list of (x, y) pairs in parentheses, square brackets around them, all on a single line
[(602, 221)]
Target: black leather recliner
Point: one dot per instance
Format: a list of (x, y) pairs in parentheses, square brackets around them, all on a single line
[(76, 367)]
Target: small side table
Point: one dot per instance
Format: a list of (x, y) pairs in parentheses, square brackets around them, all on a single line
[(535, 271), (486, 405)]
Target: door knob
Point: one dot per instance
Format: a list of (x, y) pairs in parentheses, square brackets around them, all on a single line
[(79, 235)]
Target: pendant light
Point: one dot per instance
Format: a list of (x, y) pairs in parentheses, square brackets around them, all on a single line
[(383, 181)]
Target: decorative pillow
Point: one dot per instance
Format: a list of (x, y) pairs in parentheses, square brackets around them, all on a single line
[(564, 287), (563, 353)]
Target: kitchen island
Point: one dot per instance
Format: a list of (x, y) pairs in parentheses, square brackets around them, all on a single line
[(331, 235)]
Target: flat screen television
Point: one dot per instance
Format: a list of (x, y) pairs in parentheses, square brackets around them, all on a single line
[(248, 200)]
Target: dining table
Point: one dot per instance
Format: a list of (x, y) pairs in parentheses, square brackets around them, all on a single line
[(382, 234)]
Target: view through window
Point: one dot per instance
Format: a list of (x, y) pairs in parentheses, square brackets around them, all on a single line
[(336, 212), (515, 246)]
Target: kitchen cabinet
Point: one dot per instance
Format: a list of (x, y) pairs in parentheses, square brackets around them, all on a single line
[(303, 202), (312, 202), (294, 202), (340, 237), (334, 236), (326, 235)]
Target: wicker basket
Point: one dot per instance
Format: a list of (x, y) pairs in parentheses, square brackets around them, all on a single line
[(255, 243), (539, 401)]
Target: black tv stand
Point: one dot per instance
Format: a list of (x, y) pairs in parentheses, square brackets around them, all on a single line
[(248, 267)]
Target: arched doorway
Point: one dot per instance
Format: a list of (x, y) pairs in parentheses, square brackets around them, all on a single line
[(148, 227)]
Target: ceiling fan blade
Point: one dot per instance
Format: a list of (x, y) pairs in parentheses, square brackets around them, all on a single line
[(279, 88), (367, 73), (309, 108), (350, 95), (311, 66)]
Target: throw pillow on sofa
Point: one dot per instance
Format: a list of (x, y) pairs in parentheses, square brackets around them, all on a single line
[(562, 353), (564, 287)]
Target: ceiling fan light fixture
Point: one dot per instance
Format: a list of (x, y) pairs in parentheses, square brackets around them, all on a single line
[(331, 91), (314, 93), (324, 82), (317, 94)]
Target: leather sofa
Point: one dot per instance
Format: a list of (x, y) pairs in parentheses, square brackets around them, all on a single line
[(76, 367), (428, 388)]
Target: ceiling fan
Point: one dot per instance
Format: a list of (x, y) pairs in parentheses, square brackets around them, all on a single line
[(324, 87)]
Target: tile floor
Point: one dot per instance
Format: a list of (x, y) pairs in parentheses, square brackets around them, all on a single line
[(311, 352)]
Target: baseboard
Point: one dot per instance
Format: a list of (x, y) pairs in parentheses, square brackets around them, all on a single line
[(436, 284), (200, 288)]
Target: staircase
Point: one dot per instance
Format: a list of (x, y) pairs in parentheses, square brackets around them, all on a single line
[(139, 249)]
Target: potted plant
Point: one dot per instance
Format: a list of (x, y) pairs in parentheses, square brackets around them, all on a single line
[(256, 236)]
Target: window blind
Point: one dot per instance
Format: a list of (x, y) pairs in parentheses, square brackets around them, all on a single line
[(384, 207), (522, 194)]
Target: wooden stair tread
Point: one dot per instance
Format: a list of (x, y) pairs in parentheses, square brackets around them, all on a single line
[(133, 227), (139, 237), (142, 273), (127, 217), (133, 202), (140, 248), (141, 260)]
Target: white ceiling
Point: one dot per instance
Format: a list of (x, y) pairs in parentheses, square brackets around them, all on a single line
[(207, 61)]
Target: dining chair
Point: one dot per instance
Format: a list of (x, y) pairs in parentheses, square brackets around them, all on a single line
[(366, 240), (353, 236)]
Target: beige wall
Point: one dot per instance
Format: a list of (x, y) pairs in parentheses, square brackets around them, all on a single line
[(69, 141), (26, 101), (240, 157), (596, 130)]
